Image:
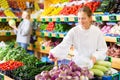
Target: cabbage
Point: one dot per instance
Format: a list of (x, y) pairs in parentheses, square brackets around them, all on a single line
[(12, 22)]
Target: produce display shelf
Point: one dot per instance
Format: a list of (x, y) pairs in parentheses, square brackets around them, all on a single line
[(96, 17), (6, 33), (4, 77), (45, 49), (116, 63), (6, 19), (51, 34), (61, 35), (110, 39)]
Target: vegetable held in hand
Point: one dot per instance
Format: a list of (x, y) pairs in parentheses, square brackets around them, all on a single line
[(53, 58), (12, 22)]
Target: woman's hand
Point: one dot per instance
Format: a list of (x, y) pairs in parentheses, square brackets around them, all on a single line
[(14, 27), (93, 58), (52, 58)]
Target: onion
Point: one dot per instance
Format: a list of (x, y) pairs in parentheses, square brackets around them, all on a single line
[(71, 63), (75, 78), (82, 77), (62, 74), (59, 78), (64, 67), (45, 74), (78, 73), (37, 77)]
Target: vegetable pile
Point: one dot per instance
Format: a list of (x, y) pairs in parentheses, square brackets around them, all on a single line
[(65, 72), (100, 68), (25, 72), (10, 65)]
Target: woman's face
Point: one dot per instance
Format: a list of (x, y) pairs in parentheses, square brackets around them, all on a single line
[(24, 15), (84, 20)]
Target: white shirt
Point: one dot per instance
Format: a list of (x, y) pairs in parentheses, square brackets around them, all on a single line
[(87, 43)]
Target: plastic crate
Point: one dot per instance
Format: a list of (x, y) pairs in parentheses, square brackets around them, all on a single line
[(115, 76), (64, 61), (46, 59)]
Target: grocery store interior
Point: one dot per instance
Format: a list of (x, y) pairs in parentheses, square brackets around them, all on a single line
[(50, 21)]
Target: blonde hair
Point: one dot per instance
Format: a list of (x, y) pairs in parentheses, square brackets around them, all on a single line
[(87, 10), (28, 13)]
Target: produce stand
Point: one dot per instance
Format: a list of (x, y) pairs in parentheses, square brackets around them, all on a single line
[(116, 63), (4, 77)]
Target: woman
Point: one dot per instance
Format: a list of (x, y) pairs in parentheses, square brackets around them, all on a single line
[(24, 30), (87, 39)]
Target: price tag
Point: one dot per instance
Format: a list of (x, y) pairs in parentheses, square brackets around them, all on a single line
[(1, 77), (8, 33), (42, 34), (50, 35), (112, 18), (15, 19), (21, 19), (34, 46), (43, 47), (57, 19), (76, 19), (0, 19), (50, 19), (43, 19), (35, 20), (118, 40), (66, 19), (98, 18), (3, 20), (57, 36)]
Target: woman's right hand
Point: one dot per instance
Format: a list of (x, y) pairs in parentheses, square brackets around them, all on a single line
[(14, 27), (51, 57)]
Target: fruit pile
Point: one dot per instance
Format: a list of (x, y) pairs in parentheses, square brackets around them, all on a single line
[(9, 13), (52, 10), (21, 4), (67, 9), (37, 8), (74, 8), (12, 4), (2, 13), (4, 26), (4, 4)]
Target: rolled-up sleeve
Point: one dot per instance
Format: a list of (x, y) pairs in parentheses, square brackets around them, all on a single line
[(61, 50), (100, 53)]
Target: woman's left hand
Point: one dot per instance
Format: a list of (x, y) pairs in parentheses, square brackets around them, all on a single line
[(93, 58)]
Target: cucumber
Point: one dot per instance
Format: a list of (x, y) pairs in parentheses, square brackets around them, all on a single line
[(104, 63), (97, 72), (102, 68)]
